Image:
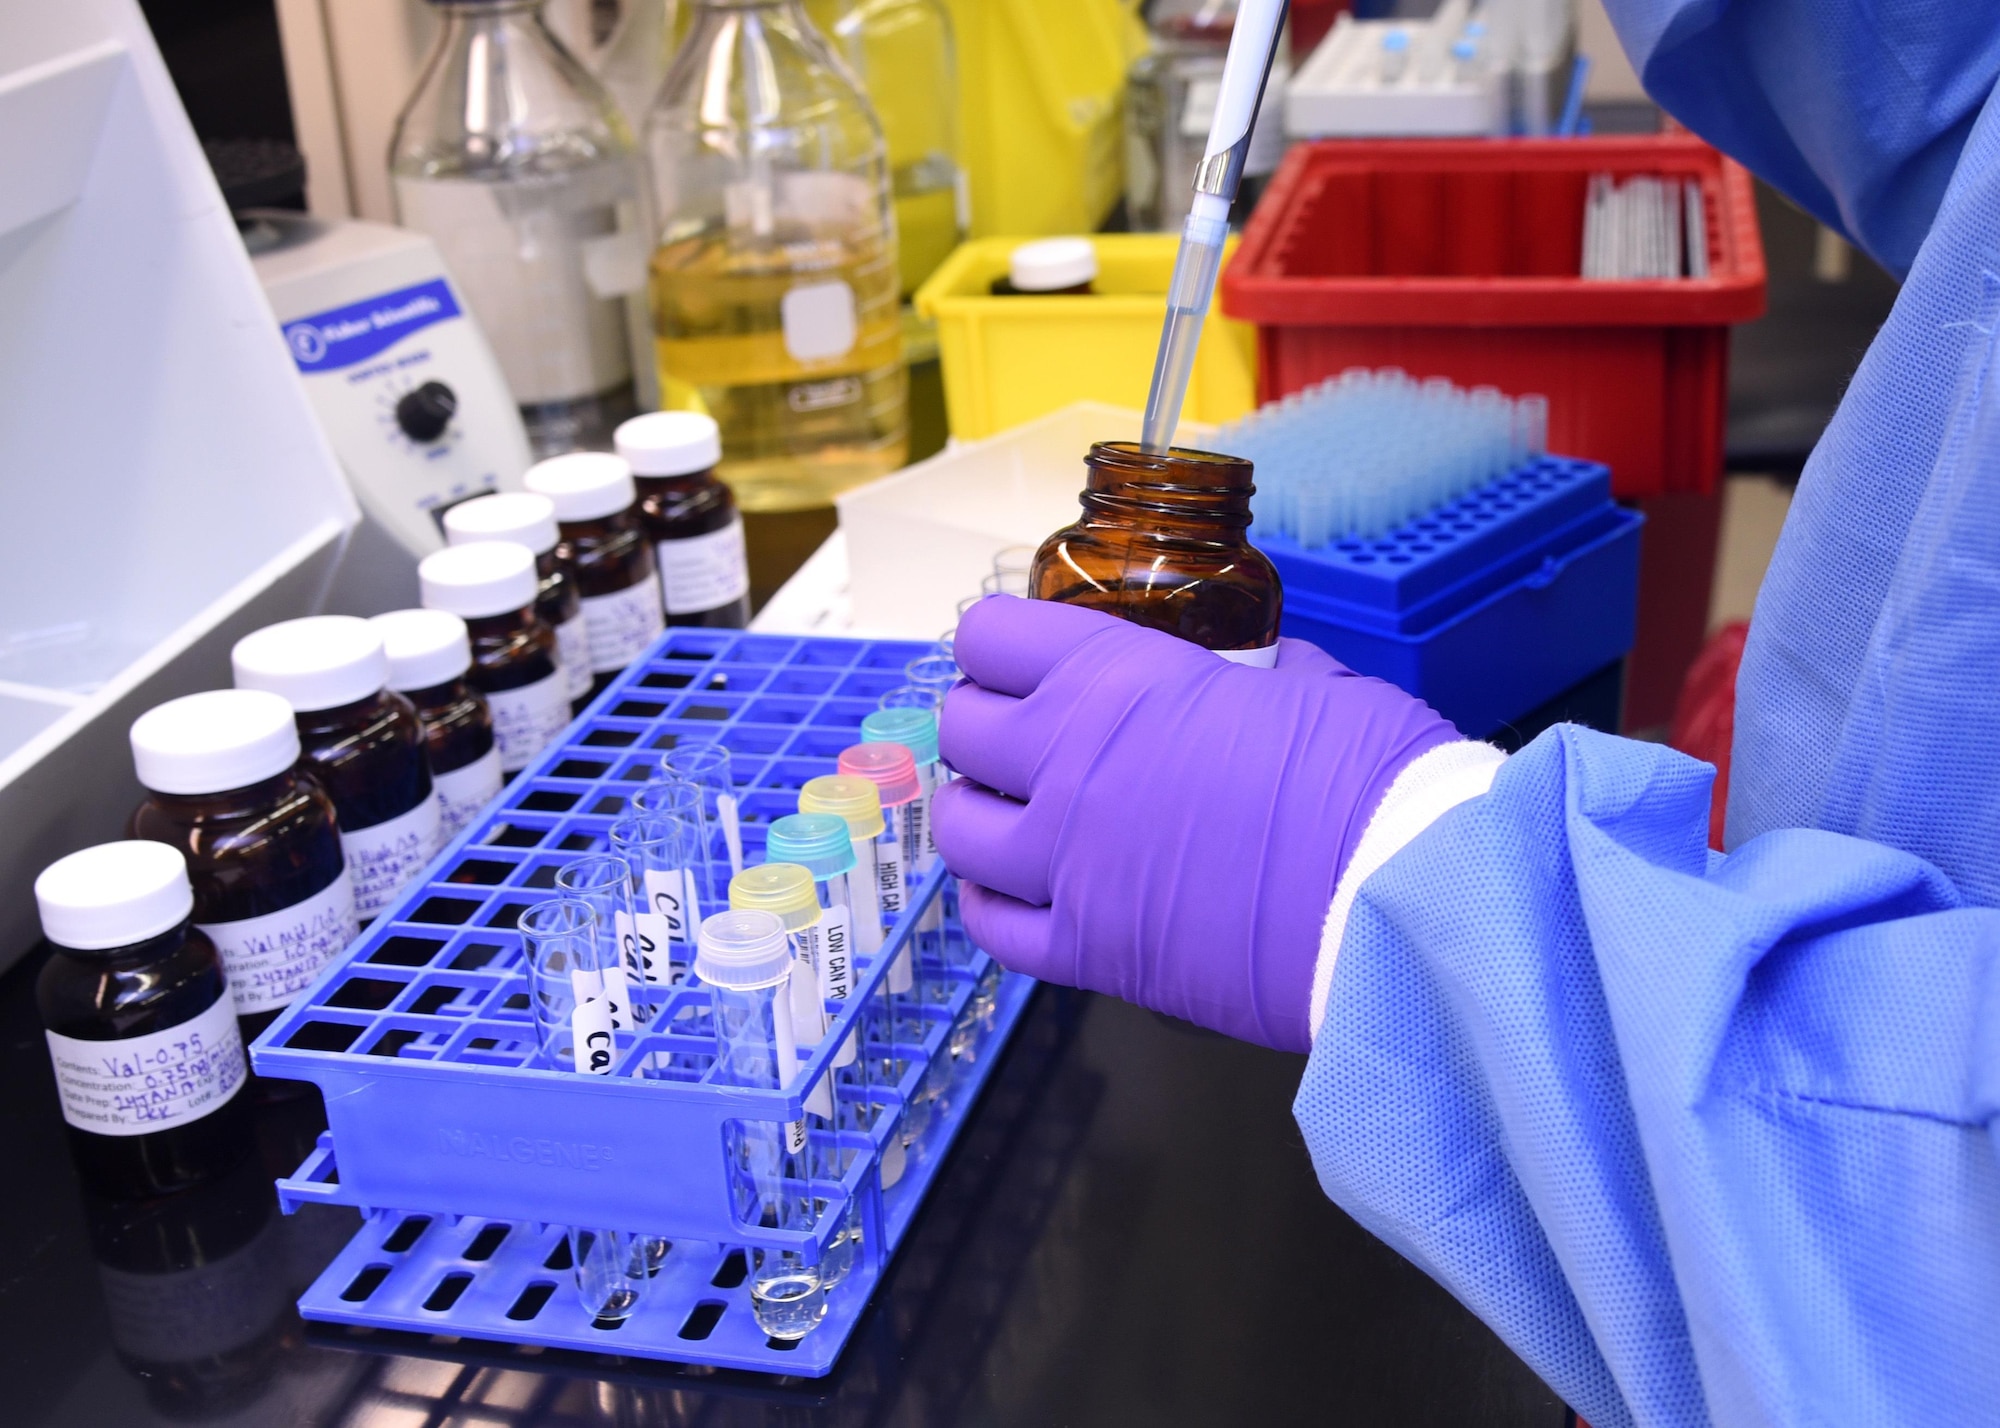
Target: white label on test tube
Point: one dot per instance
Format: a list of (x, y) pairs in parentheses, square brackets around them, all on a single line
[(643, 946), (891, 886), (929, 775), (860, 897), (668, 901), (788, 1062), (807, 1012), (590, 1023), (833, 957)]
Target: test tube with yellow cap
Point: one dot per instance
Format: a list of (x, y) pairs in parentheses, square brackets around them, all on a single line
[(876, 882)]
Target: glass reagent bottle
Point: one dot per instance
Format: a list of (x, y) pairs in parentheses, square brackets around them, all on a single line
[(429, 652)]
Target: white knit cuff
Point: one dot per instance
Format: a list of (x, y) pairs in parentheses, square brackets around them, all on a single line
[(1436, 782)]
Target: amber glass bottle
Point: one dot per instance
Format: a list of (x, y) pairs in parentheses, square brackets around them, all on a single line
[(597, 511), (1163, 543), (491, 586), (690, 517), (271, 885), (361, 739), (527, 519), (429, 654), (141, 1031)]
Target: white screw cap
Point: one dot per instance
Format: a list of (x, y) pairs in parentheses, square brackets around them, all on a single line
[(519, 516), (426, 648), (669, 443), (743, 949), (584, 485), (320, 662), (1052, 264), (213, 742), (487, 577), (113, 895)]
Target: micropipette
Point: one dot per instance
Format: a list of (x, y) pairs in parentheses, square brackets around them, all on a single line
[(1253, 44)]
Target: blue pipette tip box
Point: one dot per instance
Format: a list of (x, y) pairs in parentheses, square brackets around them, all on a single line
[(1486, 606), (468, 1156)]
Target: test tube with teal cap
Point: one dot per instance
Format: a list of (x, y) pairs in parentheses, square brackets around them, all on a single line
[(916, 729)]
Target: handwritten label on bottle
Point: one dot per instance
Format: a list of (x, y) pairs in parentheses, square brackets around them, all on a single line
[(269, 960), (623, 623), (142, 1084), (699, 573), (573, 654), (464, 791), (526, 719), (384, 856)]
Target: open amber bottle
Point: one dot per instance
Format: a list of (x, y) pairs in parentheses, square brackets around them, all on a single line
[(1164, 543)]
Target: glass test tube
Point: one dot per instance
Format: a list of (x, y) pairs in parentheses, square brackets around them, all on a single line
[(705, 764), (560, 940), (667, 797), (746, 960), (658, 850), (822, 972), (604, 882), (935, 674)]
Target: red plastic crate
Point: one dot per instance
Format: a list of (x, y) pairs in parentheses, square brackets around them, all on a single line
[(1459, 258)]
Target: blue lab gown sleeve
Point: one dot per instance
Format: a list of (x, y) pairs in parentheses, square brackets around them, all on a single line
[(1707, 1138), (1856, 108)]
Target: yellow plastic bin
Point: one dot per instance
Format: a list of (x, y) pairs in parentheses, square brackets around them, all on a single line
[(1041, 104), (1011, 359)]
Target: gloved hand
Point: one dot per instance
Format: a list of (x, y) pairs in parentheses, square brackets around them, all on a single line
[(1138, 816)]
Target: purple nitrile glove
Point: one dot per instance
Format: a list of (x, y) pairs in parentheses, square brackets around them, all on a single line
[(1141, 817)]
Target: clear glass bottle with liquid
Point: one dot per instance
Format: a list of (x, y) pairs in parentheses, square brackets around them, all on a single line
[(774, 279), (903, 53), (519, 166)]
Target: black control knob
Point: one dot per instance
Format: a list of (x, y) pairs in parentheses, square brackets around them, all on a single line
[(423, 414)]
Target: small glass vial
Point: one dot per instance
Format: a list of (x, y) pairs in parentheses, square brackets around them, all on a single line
[(746, 960), (1050, 267), (491, 586), (362, 740), (690, 517), (1163, 543), (148, 1059), (597, 511), (224, 785), (429, 653), (530, 520)]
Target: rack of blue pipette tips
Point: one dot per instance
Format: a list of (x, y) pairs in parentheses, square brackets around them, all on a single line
[(468, 1154), (1425, 536)]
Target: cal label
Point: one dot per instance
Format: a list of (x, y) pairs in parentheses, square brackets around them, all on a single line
[(527, 718), (268, 960), (590, 1024), (702, 572), (464, 791), (384, 856), (573, 654), (154, 1082), (623, 623)]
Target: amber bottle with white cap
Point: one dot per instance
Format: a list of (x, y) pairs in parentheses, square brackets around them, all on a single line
[(271, 890), (429, 654), (361, 739), (598, 513), (690, 517), (1050, 267), (527, 519), (491, 586), (148, 1059)]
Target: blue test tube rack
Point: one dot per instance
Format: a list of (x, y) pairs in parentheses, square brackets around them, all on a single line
[(468, 1158)]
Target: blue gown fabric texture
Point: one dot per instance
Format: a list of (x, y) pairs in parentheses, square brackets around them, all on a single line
[(1711, 1138)]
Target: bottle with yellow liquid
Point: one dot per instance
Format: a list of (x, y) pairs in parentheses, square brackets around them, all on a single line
[(903, 53), (774, 282)]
